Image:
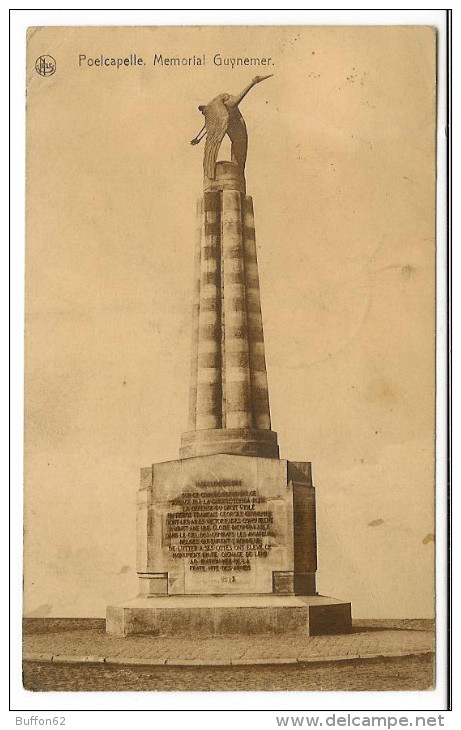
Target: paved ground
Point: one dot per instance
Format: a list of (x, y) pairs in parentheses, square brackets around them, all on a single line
[(397, 673), (85, 641)]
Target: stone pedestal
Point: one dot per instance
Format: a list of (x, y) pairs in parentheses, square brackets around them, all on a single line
[(240, 529), (223, 524)]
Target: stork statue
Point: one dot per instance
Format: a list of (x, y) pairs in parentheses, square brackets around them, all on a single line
[(222, 116)]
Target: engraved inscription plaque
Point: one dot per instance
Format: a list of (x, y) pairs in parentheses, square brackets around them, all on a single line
[(217, 525), (220, 529)]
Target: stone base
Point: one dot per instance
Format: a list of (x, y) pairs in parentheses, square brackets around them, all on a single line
[(235, 441), (224, 524), (221, 615)]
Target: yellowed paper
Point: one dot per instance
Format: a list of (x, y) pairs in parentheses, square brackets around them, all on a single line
[(341, 167)]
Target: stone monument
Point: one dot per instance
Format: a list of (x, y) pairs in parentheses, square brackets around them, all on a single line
[(226, 534)]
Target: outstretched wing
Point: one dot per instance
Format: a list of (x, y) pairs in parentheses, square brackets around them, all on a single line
[(216, 123)]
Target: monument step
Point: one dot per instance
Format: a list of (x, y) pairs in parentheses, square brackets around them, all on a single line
[(214, 615)]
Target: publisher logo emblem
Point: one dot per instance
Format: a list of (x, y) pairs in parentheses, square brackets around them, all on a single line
[(45, 65)]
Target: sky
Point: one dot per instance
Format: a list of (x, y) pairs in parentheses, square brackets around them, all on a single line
[(341, 171)]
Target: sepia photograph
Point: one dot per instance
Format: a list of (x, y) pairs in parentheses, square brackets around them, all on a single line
[(230, 322)]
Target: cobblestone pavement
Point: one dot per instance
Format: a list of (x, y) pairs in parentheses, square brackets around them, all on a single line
[(74, 641), (415, 673)]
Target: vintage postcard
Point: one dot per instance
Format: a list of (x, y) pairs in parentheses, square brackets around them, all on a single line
[(230, 358)]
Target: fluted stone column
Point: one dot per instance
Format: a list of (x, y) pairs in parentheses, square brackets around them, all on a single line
[(195, 319), (258, 373), (236, 366), (209, 391), (229, 401)]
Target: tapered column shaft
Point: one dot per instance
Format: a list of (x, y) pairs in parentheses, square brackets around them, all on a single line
[(257, 359), (237, 365), (195, 319), (209, 407), (229, 401)]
